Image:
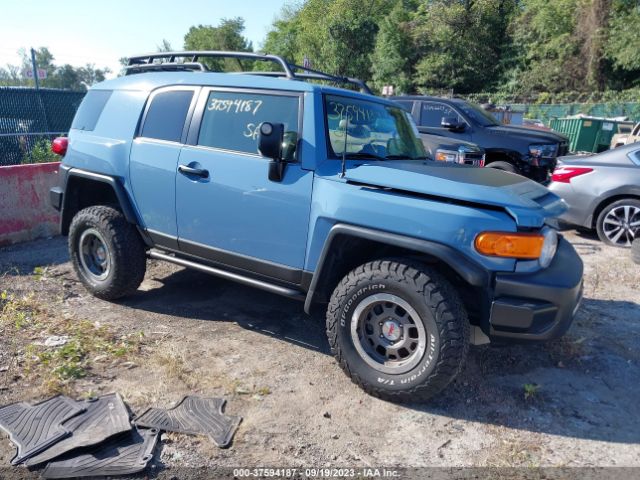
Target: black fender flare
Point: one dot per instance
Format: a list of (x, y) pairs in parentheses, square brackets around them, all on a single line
[(67, 174), (469, 270)]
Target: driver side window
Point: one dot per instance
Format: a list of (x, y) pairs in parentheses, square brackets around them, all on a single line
[(432, 113), (231, 121)]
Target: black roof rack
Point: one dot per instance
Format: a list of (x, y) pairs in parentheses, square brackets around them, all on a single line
[(189, 60)]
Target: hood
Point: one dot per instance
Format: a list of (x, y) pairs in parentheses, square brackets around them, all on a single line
[(530, 135), (528, 202)]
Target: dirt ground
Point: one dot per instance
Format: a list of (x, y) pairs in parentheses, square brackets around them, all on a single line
[(570, 403)]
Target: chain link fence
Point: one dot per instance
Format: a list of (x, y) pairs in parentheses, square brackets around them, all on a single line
[(547, 112), (30, 119)]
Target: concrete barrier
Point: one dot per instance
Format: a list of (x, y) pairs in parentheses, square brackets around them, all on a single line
[(25, 213)]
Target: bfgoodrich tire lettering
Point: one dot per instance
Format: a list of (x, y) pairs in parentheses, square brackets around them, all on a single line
[(440, 312), (106, 252)]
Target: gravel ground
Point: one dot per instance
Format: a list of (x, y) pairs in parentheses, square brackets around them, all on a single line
[(207, 336)]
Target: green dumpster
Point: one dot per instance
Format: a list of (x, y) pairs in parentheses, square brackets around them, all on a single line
[(587, 134)]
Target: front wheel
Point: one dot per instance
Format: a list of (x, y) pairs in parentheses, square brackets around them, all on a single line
[(398, 329), (504, 166), (107, 252)]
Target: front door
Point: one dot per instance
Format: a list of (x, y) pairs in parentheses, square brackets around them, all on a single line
[(431, 115), (228, 210)]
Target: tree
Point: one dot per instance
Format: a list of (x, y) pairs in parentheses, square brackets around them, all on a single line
[(393, 56), (226, 36), (460, 43), (621, 48), (549, 50), (165, 46), (283, 37), (44, 60), (65, 76), (337, 36)]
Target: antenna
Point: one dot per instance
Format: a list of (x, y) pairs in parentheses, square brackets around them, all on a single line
[(344, 123)]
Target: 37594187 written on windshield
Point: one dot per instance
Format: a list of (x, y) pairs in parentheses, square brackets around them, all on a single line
[(372, 129)]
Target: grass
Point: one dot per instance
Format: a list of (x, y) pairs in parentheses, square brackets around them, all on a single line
[(530, 390), (174, 363), (57, 368)]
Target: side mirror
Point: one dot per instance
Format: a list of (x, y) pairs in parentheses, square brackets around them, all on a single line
[(270, 139), (452, 123)]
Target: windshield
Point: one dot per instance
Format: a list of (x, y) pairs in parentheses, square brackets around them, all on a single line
[(370, 129), (478, 114)]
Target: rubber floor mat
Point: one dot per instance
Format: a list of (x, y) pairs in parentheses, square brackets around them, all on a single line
[(194, 415), (104, 417), (33, 428), (123, 454)]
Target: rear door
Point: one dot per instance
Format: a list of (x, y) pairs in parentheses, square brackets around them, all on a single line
[(154, 159), (230, 212)]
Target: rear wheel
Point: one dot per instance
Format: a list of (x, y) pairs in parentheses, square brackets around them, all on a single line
[(107, 252), (619, 222), (398, 329), (504, 166)]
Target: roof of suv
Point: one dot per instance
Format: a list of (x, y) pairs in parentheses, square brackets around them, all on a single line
[(154, 70), (149, 81)]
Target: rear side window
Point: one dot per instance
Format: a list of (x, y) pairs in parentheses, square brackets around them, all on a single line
[(90, 109), (166, 115), (231, 120)]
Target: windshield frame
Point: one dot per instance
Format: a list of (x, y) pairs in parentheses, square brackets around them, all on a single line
[(334, 156)]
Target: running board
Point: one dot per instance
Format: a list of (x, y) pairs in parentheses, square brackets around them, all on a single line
[(252, 282)]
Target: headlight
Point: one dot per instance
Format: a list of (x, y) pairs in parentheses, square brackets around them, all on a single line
[(549, 247), (543, 151), (467, 149), (539, 246), (446, 156)]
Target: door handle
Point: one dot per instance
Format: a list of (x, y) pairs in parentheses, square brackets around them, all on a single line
[(198, 172)]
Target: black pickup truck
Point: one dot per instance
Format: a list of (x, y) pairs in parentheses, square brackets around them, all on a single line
[(450, 150), (522, 150)]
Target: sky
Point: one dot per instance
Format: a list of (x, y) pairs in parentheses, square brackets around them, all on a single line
[(80, 32)]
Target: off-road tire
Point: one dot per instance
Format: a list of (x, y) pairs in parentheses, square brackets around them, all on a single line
[(635, 249), (440, 310), (605, 211), (124, 245), (504, 166)]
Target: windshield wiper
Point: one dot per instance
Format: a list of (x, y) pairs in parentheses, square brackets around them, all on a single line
[(364, 155), (404, 157)]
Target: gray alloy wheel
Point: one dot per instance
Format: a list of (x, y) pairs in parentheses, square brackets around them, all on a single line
[(388, 334), (95, 257), (619, 224)]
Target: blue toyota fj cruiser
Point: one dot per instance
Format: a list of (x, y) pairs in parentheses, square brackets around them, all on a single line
[(320, 194)]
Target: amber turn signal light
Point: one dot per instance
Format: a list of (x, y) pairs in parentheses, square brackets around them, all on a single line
[(511, 245)]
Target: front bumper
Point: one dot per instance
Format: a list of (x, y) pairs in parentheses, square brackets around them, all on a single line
[(538, 306), (580, 204)]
